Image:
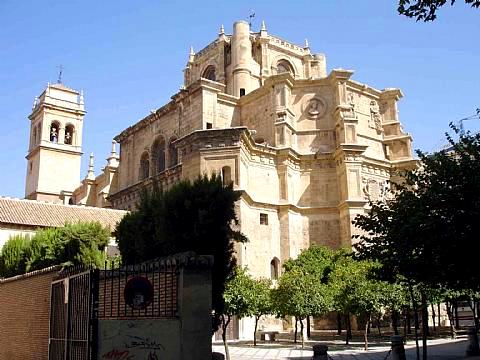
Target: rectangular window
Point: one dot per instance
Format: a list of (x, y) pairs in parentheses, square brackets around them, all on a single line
[(242, 92), (263, 219), (209, 125)]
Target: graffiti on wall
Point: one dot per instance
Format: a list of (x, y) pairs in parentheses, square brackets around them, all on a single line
[(146, 339)]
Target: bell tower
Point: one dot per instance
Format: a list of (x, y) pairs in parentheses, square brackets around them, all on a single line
[(55, 150)]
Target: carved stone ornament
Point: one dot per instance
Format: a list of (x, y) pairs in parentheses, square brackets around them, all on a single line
[(375, 120), (350, 112), (315, 108), (374, 190)]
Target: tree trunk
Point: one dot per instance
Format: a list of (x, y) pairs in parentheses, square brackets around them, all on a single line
[(439, 315), (301, 332), (224, 335), (308, 328), (409, 318), (415, 316), (457, 321), (478, 313), (453, 330), (378, 326), (433, 318), (369, 323), (339, 323), (473, 308), (348, 328), (255, 330), (405, 315), (424, 324), (296, 329), (395, 321), (365, 335)]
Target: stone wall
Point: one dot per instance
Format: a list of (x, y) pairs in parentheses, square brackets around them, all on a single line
[(25, 315)]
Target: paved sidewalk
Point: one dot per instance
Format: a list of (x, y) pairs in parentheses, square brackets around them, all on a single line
[(437, 349)]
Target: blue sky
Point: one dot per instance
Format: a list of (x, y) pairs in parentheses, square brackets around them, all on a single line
[(128, 57)]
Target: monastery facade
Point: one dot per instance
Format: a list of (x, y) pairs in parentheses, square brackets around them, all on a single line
[(307, 149)]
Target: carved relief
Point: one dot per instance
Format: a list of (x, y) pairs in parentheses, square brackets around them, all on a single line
[(315, 108), (375, 190), (375, 119), (350, 113)]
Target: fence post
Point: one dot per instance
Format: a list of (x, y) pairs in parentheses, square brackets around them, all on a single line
[(473, 348), (398, 350), (320, 352), (94, 303)]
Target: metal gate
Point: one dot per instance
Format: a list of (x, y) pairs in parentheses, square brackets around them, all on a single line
[(72, 319)]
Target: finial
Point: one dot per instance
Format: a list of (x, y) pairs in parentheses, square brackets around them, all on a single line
[(81, 101), (222, 30), (112, 160), (35, 102), (264, 27), (191, 55), (306, 46), (113, 152), (91, 170)]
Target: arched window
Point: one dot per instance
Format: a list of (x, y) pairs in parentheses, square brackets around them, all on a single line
[(144, 166), (54, 131), (158, 155), (172, 152), (274, 268), (69, 131), (226, 175), (283, 66), (209, 73)]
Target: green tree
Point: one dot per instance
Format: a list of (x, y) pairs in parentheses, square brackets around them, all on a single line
[(13, 258), (237, 298), (194, 216), (303, 289), (261, 302), (357, 291), (73, 244), (427, 235), (426, 10)]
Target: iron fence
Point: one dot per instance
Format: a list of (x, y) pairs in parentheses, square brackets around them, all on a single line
[(71, 320), (161, 277)]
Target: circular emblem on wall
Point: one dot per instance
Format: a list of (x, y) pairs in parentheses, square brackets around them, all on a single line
[(315, 108), (138, 292)]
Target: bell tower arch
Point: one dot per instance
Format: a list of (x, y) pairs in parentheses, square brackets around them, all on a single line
[(55, 149)]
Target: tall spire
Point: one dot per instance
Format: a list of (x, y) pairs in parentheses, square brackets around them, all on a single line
[(263, 30), (222, 30), (91, 170)]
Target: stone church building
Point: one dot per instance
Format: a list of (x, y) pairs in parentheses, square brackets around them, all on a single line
[(308, 149)]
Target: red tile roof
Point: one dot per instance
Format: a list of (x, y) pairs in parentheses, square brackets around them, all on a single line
[(43, 214)]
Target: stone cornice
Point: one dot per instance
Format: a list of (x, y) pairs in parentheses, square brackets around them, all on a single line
[(282, 205), (43, 105), (348, 204), (54, 147), (392, 138)]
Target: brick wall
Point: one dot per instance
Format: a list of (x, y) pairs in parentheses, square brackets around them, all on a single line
[(24, 315)]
